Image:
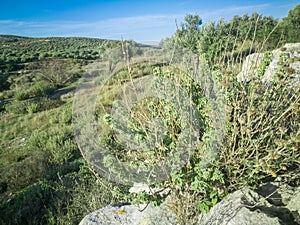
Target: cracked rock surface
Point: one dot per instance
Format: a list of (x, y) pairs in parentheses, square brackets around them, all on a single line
[(271, 204), (131, 215), (286, 58)]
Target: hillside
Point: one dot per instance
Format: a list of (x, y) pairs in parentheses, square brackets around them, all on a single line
[(16, 49), (43, 176), (35, 183)]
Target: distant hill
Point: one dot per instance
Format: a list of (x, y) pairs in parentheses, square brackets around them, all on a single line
[(17, 49)]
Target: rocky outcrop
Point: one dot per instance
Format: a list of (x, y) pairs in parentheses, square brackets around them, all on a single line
[(125, 213), (250, 67), (270, 204), (119, 214), (286, 58)]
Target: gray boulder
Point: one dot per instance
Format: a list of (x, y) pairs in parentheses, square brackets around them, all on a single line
[(250, 67), (131, 215), (270, 204), (274, 203), (241, 207), (286, 57)]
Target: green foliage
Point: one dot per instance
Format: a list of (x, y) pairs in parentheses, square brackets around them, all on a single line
[(143, 115), (41, 88), (23, 169), (224, 42), (21, 95), (202, 186), (43, 178), (57, 72), (189, 33), (39, 104), (35, 197), (268, 56), (58, 142), (65, 117), (290, 25), (79, 194), (33, 108), (4, 84), (63, 199), (16, 49), (260, 143)]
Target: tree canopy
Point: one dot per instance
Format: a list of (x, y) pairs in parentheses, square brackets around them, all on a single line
[(241, 35)]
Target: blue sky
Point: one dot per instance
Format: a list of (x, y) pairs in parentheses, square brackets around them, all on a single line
[(139, 20)]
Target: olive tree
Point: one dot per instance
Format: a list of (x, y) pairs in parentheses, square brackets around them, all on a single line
[(56, 71)]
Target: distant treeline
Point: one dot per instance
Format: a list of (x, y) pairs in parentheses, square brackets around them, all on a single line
[(15, 49), (238, 37)]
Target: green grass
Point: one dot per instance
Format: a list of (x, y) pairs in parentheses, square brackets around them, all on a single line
[(43, 177)]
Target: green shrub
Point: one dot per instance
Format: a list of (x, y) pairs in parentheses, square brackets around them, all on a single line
[(17, 107), (27, 206), (57, 142), (42, 88), (33, 108), (263, 127), (260, 143), (47, 103), (268, 56), (32, 105), (202, 189), (4, 84), (65, 116), (84, 193), (21, 95), (25, 170)]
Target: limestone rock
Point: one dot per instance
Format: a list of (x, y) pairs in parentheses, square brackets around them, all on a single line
[(67, 95), (141, 187), (250, 67), (271, 204), (131, 215), (294, 205), (239, 208), (289, 53)]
